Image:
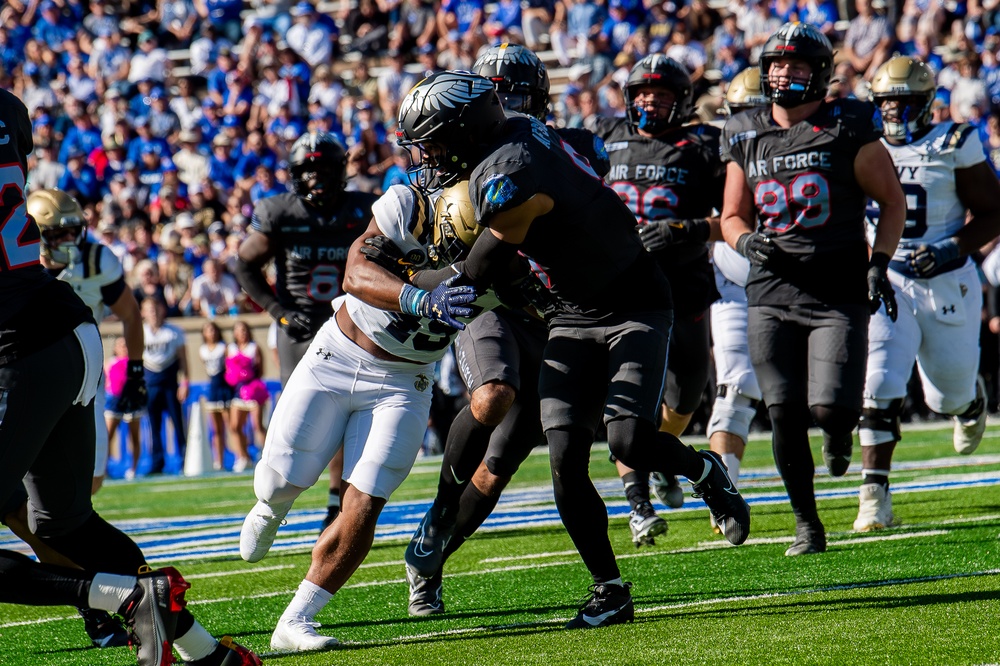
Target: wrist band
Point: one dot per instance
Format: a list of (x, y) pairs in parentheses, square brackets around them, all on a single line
[(410, 299)]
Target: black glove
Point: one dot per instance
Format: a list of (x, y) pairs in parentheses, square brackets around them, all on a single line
[(382, 251), (759, 249), (296, 325), (927, 260), (659, 234), (879, 287), (134, 396)]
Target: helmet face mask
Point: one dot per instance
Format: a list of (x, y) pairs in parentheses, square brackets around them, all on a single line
[(795, 65), (60, 220), (317, 164), (904, 89), (520, 77), (650, 79)]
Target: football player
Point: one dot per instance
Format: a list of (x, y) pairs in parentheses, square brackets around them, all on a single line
[(799, 174), (50, 366), (364, 385), (946, 179), (498, 354), (737, 390), (307, 232), (538, 196), (669, 174)]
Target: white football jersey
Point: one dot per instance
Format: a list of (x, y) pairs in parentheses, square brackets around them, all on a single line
[(926, 171), (403, 215), (98, 268)]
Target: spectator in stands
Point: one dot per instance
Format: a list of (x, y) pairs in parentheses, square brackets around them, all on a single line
[(369, 154), (224, 15), (150, 61), (215, 292), (504, 23), (455, 55), (368, 27), (238, 97), (536, 21), (163, 123), (244, 368), (46, 171), (311, 39), (165, 361), (114, 381), (265, 185), (868, 41), (219, 395), (701, 19), (101, 21), (822, 14), (326, 89), (177, 20), (465, 17), (427, 59), (253, 155), (968, 92), (416, 28), (176, 277), (394, 83), (79, 179), (80, 85), (758, 25), (689, 53), (191, 161), (148, 285), (623, 20)]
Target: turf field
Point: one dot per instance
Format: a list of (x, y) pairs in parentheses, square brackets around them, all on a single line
[(927, 592)]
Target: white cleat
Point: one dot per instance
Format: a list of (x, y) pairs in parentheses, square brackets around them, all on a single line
[(968, 433), (875, 512), (259, 529), (297, 634)]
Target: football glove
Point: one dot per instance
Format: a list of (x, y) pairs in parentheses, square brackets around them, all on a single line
[(382, 251), (657, 235), (759, 249), (296, 325), (927, 260), (879, 287), (445, 303), (134, 396)]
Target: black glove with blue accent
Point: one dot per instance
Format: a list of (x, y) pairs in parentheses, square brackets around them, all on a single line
[(927, 260), (879, 287)]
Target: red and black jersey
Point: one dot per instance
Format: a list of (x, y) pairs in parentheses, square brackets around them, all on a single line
[(586, 250), (807, 199), (677, 175), (310, 249), (35, 309)]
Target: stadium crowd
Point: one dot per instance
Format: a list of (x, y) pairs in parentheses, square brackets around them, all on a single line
[(169, 119)]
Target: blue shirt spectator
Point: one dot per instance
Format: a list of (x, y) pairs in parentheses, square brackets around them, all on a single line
[(464, 11), (80, 178), (83, 137)]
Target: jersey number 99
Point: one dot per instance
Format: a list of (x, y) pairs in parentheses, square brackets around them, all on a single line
[(805, 202)]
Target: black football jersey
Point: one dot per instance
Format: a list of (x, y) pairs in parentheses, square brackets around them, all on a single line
[(310, 249), (586, 250), (808, 200), (678, 175), (35, 308)]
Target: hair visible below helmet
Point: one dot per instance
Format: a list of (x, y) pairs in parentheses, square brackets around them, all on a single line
[(455, 227), (55, 211), (317, 164), (744, 91), (520, 77), (662, 72), (460, 112), (911, 82), (803, 42)]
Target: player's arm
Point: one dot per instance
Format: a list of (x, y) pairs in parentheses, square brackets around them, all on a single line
[(493, 251), (253, 254), (979, 191), (737, 205), (876, 174), (134, 395)]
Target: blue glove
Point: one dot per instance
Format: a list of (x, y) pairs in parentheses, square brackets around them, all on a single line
[(444, 304), (928, 260)]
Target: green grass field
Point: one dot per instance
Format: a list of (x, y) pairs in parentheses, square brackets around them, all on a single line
[(927, 592)]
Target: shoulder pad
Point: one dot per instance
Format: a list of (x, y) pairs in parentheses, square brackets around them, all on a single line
[(957, 134)]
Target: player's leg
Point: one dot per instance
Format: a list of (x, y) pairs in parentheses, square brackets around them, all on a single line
[(892, 346), (157, 387), (176, 413), (948, 358)]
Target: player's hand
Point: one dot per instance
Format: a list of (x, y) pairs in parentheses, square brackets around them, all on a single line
[(382, 251), (134, 396), (759, 249), (657, 235), (928, 260), (879, 287), (448, 302), (296, 325)]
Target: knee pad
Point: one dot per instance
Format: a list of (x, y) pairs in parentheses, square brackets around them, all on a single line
[(835, 420), (733, 412), (271, 488), (880, 425)]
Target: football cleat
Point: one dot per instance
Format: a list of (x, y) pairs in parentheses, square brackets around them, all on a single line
[(875, 509), (837, 453), (810, 538), (259, 529), (150, 613), (331, 515), (728, 507), (297, 634), (103, 629), (425, 593), (228, 653), (667, 489), (607, 604), (645, 525), (425, 553), (969, 431)]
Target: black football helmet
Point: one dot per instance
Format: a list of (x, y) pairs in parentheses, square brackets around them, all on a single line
[(317, 164), (804, 42), (659, 71), (520, 77), (460, 113)]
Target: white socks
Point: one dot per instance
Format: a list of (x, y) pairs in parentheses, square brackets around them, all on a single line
[(733, 463), (308, 601), (196, 644), (109, 591)]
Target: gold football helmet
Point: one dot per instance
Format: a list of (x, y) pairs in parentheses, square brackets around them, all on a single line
[(744, 91), (455, 227), (60, 219), (903, 89)]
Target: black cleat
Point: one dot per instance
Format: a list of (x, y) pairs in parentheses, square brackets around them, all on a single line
[(331, 515), (837, 453), (151, 611), (425, 553), (607, 604), (645, 525), (810, 538), (104, 630), (730, 510), (425, 593)]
